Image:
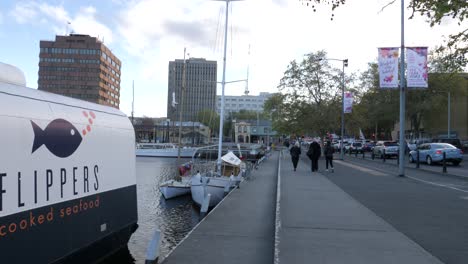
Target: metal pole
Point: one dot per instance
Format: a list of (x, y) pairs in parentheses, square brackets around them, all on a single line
[(181, 108), (223, 84), (401, 170), (448, 115), (133, 100), (342, 114)]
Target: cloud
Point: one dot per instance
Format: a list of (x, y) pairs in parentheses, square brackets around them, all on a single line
[(85, 22), (24, 12), (59, 20)]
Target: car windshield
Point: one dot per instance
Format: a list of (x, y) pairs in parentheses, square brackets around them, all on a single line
[(391, 144), (443, 146), (357, 144)]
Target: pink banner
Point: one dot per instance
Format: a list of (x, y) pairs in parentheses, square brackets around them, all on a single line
[(417, 67), (388, 67), (348, 102)]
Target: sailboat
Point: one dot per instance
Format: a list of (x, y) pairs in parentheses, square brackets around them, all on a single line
[(215, 185)]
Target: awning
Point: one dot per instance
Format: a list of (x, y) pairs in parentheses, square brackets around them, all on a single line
[(231, 159)]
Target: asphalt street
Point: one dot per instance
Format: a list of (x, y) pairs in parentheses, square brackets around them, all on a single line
[(429, 208)]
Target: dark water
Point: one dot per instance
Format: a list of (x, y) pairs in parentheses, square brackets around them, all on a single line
[(174, 217)]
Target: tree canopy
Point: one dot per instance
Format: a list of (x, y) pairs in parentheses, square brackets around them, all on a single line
[(456, 46)]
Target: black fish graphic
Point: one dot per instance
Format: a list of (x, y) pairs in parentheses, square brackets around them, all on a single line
[(60, 137)]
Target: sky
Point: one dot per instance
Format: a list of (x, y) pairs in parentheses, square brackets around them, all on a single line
[(146, 34)]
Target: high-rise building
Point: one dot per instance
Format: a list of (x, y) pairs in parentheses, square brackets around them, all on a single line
[(80, 66), (200, 88), (235, 103)]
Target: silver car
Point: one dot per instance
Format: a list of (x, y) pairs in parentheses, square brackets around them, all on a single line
[(434, 152), (390, 149)]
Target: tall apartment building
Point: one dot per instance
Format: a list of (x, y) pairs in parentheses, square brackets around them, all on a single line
[(200, 91), (80, 66), (234, 103)]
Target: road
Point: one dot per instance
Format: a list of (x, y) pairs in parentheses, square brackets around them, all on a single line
[(460, 170), (429, 208)]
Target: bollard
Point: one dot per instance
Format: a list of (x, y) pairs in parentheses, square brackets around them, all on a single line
[(363, 154), (444, 164), (417, 159), (372, 155), (227, 188), (383, 156), (355, 153), (398, 157), (152, 252), (205, 205)]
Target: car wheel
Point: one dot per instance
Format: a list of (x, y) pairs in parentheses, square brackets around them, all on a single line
[(411, 159), (456, 163), (429, 160)]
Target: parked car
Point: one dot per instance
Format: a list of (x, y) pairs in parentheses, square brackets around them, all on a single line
[(368, 146), (465, 146), (355, 147), (433, 152), (390, 148), (453, 141)]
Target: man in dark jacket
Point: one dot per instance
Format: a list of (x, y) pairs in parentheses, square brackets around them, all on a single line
[(314, 153), (295, 153)]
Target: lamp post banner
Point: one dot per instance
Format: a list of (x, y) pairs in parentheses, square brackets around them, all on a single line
[(348, 102), (388, 67), (417, 67)]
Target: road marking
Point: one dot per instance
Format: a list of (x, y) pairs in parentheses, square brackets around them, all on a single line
[(438, 184), (464, 197), (413, 178), (373, 172)]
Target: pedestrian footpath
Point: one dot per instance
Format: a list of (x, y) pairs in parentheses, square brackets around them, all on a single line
[(240, 229), (320, 223)]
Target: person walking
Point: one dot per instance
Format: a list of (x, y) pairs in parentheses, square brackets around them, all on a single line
[(295, 153), (314, 153), (328, 152)]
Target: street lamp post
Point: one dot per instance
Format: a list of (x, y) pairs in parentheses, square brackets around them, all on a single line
[(345, 64)]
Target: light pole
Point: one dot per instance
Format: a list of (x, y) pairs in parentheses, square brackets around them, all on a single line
[(345, 64)]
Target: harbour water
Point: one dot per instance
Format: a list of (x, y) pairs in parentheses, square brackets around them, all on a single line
[(174, 217)]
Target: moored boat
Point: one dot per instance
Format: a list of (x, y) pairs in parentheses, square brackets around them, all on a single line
[(68, 191), (172, 188)]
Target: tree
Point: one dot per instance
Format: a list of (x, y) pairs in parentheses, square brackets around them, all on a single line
[(310, 91), (434, 11), (210, 119)]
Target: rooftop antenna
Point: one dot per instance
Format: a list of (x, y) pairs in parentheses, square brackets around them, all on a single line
[(246, 92), (66, 28)]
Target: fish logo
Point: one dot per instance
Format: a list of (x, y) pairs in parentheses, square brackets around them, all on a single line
[(60, 136)]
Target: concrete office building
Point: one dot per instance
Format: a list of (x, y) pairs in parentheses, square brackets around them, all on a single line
[(234, 104), (200, 89), (80, 66)]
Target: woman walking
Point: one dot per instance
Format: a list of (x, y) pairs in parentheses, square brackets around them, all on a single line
[(328, 151), (314, 153), (295, 153)]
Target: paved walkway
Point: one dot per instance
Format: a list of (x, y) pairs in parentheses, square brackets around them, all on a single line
[(316, 222), (320, 223), (241, 228)]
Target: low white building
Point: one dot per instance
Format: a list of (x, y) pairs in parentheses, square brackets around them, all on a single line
[(235, 103)]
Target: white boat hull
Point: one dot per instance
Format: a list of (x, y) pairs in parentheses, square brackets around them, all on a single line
[(171, 189), (214, 185)]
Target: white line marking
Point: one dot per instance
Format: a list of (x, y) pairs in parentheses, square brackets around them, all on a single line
[(438, 184), (277, 214), (413, 178), (373, 172)]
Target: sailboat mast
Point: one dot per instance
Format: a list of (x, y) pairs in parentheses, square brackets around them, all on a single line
[(223, 84), (133, 100), (182, 92)]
